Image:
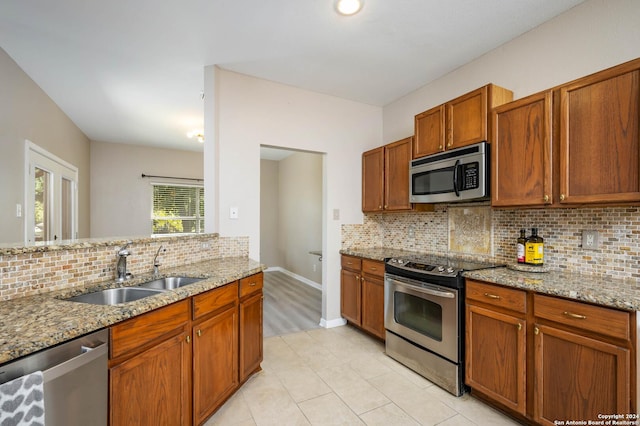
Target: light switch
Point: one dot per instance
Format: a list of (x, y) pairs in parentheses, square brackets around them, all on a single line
[(336, 214), (18, 210), (233, 212)]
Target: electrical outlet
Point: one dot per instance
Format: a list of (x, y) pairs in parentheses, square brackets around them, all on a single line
[(233, 212), (590, 240)]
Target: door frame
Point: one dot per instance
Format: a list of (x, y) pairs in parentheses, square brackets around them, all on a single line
[(35, 155)]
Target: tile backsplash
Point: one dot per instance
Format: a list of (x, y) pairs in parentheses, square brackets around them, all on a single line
[(34, 271), (431, 232)]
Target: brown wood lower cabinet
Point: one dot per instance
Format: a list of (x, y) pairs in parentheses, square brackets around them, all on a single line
[(362, 294), (496, 356), (578, 377), (251, 302), (548, 359), (178, 364), (215, 350), (150, 369)]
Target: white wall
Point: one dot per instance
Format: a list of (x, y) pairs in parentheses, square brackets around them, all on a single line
[(249, 112), (271, 254), (592, 36), (26, 112), (300, 209), (291, 214), (121, 198)]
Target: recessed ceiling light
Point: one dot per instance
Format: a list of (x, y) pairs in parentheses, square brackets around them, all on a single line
[(349, 7)]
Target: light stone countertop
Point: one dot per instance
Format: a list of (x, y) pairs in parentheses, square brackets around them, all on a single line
[(611, 292), (605, 291), (34, 323)]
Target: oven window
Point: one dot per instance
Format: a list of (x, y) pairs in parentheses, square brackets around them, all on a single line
[(433, 182), (418, 314)]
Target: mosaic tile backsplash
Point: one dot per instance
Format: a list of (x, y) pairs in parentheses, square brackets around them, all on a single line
[(617, 256), (35, 272)]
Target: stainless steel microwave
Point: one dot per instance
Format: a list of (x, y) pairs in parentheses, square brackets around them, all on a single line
[(460, 174)]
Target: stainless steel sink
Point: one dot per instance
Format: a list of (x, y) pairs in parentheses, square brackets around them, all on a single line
[(115, 296), (170, 283)]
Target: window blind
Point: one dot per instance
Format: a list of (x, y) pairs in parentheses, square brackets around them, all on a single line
[(177, 209)]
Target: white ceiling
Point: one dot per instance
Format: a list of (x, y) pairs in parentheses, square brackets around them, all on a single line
[(131, 71)]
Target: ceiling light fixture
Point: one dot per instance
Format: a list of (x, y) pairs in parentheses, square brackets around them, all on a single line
[(349, 7), (198, 134)]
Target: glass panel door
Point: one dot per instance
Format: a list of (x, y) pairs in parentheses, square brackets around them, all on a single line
[(42, 212), (51, 196)]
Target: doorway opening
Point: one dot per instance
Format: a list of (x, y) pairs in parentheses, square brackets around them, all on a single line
[(291, 233), (51, 196)]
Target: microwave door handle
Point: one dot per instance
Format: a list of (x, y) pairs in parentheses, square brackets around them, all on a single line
[(455, 178)]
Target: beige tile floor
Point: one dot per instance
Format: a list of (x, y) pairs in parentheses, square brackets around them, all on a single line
[(341, 376)]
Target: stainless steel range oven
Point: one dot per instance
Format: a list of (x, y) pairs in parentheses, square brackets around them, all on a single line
[(424, 317)]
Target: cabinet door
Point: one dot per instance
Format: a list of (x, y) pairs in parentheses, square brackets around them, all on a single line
[(429, 132), (373, 180), (250, 335), (600, 138), (350, 296), (467, 119), (397, 157), (215, 362), (373, 306), (521, 152), (153, 388), (578, 377), (496, 356)]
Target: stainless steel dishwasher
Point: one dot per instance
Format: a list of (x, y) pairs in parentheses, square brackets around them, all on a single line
[(75, 377)]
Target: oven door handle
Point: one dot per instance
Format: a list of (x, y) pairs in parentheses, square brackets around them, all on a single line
[(432, 292)]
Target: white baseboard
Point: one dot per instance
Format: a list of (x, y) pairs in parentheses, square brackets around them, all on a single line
[(307, 281), (332, 323)]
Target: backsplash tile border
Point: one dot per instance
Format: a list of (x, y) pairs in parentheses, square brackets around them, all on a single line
[(619, 228), (25, 274)]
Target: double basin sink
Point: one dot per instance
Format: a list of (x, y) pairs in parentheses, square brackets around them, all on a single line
[(115, 296)]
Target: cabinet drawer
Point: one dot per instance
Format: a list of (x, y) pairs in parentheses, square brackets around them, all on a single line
[(373, 267), (136, 332), (503, 297), (350, 262), (250, 285), (212, 300), (606, 321)]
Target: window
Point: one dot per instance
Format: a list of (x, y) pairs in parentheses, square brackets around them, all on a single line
[(177, 209)]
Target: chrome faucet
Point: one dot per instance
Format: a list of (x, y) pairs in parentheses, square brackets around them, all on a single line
[(156, 264), (122, 262)]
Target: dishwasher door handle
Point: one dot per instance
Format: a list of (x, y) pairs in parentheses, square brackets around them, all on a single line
[(88, 355)]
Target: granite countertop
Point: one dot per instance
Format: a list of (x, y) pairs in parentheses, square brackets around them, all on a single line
[(605, 291), (33, 323), (377, 253)]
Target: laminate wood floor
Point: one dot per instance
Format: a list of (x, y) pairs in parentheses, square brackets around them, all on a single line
[(289, 305)]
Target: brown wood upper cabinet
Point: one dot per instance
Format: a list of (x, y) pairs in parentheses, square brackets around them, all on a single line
[(600, 137), (521, 172), (459, 122), (385, 177), (576, 144)]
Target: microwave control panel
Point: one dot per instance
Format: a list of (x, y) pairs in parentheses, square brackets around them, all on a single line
[(470, 176)]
